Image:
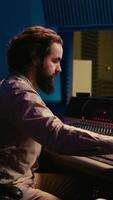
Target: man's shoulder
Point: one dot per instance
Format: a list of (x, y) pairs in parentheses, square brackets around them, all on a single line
[(19, 86), (18, 83)]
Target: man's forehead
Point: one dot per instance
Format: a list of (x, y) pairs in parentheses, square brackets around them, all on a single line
[(56, 49)]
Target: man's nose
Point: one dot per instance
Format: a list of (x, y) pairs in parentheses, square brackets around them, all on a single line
[(58, 69)]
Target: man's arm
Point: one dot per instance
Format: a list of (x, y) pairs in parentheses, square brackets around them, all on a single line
[(35, 120)]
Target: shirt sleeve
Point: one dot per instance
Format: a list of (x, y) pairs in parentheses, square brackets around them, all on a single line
[(34, 119)]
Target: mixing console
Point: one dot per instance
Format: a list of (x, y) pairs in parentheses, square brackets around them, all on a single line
[(93, 114)]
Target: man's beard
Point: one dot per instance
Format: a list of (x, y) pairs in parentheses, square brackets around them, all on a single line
[(45, 82)]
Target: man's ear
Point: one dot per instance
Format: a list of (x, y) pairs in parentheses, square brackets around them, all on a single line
[(36, 62)]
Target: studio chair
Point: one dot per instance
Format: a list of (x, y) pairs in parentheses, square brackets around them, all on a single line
[(10, 192)]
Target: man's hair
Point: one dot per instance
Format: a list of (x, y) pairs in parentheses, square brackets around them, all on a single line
[(34, 42)]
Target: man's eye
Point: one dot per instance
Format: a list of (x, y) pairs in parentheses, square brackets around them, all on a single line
[(55, 61)]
